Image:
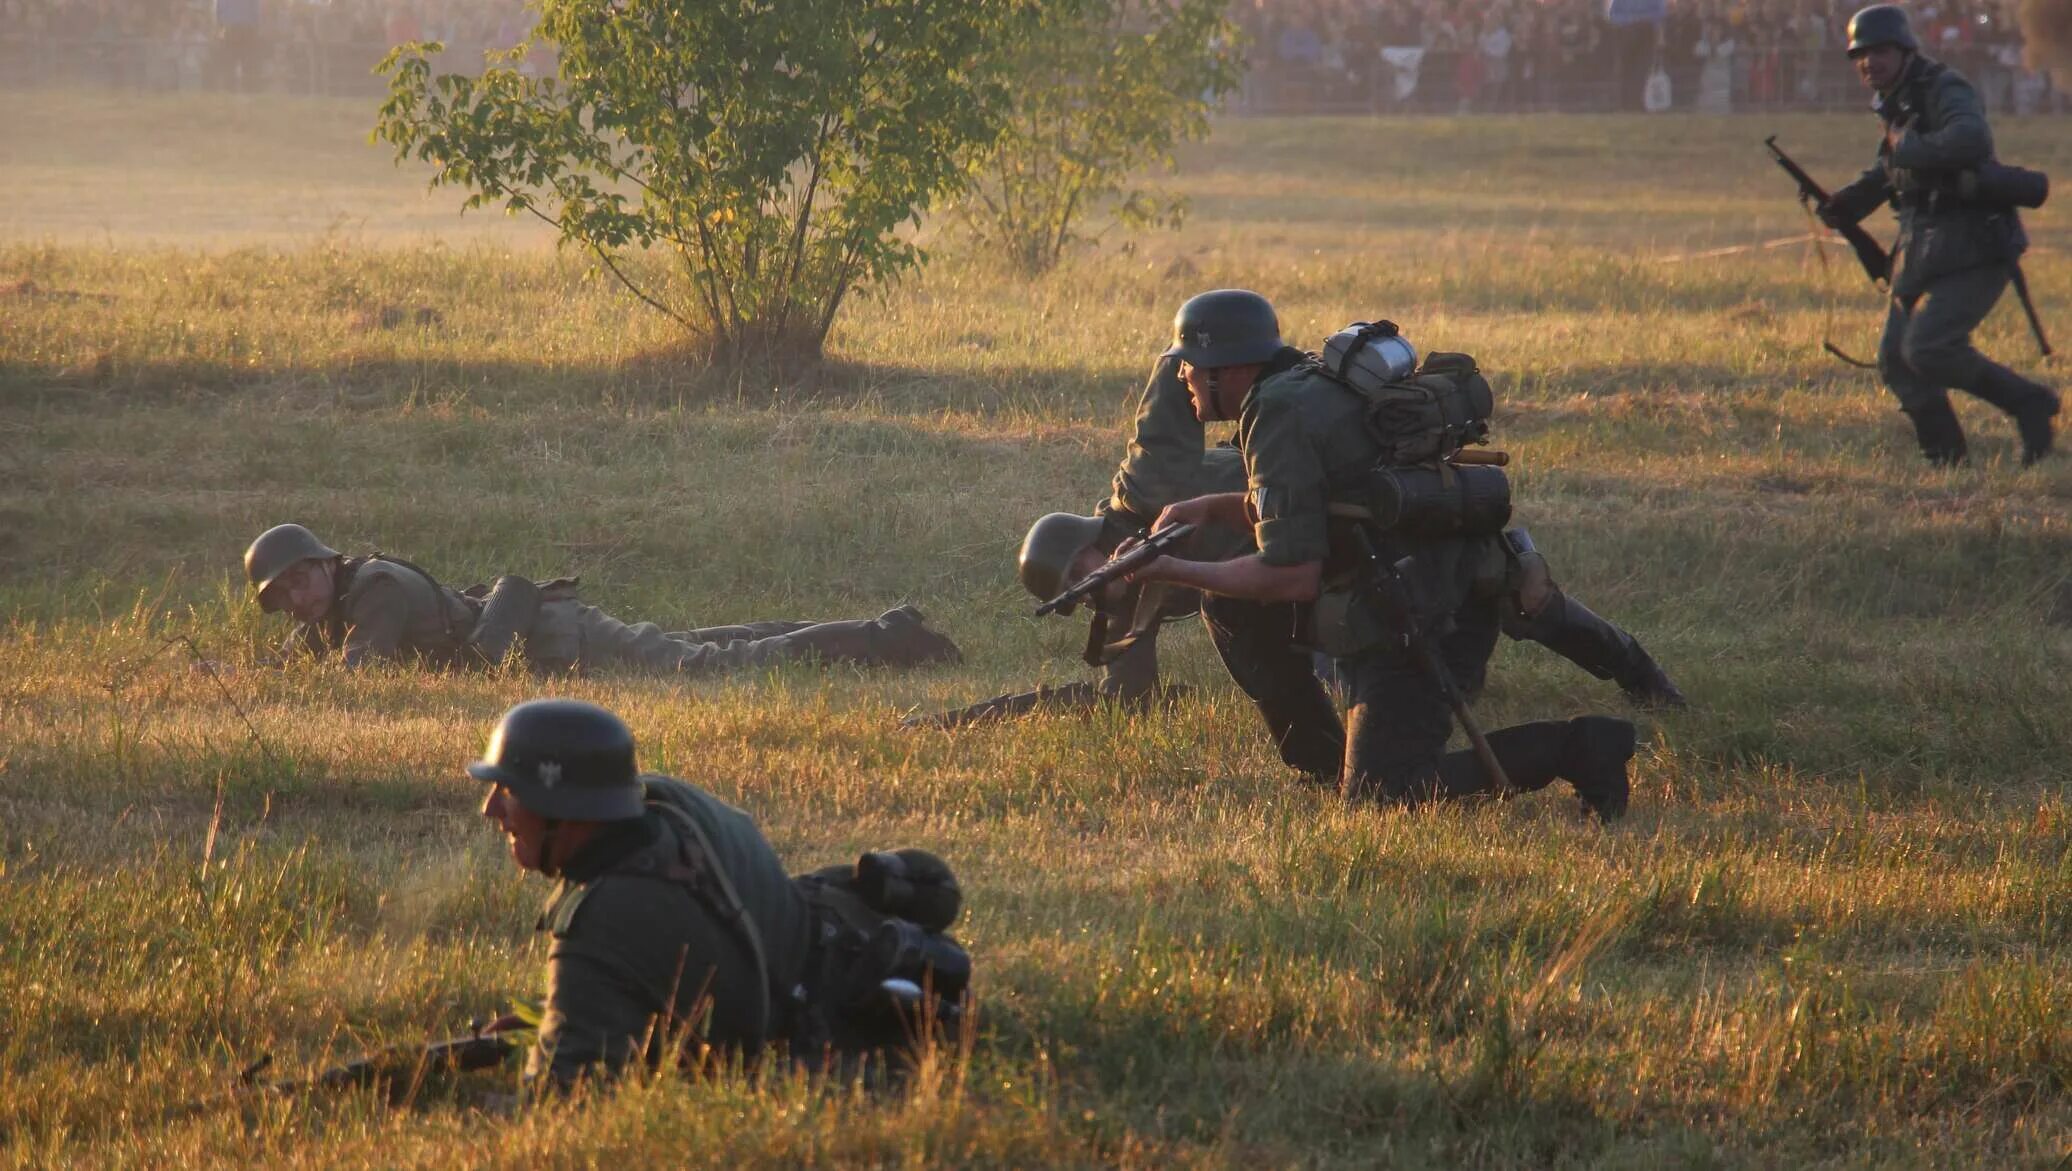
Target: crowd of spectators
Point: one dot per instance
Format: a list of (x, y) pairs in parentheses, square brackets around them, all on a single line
[(292, 46), (1305, 55), (1708, 55)]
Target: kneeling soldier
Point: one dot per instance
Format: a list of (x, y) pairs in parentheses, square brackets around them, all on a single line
[(379, 607), (1312, 462)]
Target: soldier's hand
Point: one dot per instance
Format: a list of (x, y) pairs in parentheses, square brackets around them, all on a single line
[(1153, 570), (1186, 512)]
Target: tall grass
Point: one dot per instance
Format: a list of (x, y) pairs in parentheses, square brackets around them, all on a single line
[(1832, 933)]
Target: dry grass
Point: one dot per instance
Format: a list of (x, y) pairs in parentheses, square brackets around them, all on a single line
[(1833, 933)]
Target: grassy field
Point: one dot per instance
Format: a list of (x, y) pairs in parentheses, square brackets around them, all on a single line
[(1833, 933)]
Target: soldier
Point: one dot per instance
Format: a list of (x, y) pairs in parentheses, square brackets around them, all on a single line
[(675, 928), (379, 607), (674, 925), (1164, 464), (1955, 253), (1060, 548), (1308, 457)]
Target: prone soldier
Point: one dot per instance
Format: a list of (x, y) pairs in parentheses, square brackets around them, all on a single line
[(384, 608), (1310, 462), (1960, 240), (675, 928)]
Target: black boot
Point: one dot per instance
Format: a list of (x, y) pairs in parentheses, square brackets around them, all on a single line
[(1576, 633), (1940, 434), (1648, 686), (2031, 405), (1589, 752), (1594, 761)]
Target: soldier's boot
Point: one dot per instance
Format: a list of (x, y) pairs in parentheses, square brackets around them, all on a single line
[(1647, 686), (1940, 434), (2032, 405), (894, 639), (1589, 752), (909, 641), (1576, 633), (1594, 762)]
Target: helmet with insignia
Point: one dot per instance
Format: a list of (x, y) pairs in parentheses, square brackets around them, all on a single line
[(279, 549), (1881, 24), (1045, 560), (1225, 327), (564, 758)]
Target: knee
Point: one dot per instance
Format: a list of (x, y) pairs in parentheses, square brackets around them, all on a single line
[(1938, 360)]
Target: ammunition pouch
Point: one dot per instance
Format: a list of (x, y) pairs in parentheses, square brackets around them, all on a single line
[(508, 613), (1445, 500)]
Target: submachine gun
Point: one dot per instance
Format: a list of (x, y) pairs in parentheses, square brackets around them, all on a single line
[(1148, 547)]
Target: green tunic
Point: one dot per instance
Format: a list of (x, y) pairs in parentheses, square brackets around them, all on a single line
[(641, 950), (1307, 449)]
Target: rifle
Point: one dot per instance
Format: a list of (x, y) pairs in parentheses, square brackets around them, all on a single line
[(1391, 591), (402, 1069), (1063, 698), (1150, 547), (1000, 707), (1876, 263)]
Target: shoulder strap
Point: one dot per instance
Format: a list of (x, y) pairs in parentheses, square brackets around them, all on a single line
[(707, 879)]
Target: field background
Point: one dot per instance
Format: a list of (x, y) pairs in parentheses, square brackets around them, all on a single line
[(1833, 933)]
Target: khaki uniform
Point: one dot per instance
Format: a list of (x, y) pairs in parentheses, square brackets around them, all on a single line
[(645, 953), (387, 609)]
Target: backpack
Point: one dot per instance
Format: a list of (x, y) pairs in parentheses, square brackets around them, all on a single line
[(1416, 413), (888, 973)]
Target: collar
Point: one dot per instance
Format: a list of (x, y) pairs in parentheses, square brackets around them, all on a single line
[(1284, 359), (611, 845)]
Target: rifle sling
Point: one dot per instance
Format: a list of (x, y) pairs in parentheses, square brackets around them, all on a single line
[(707, 880)]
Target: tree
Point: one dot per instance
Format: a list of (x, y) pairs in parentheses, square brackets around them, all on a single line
[(773, 150), (1103, 88)]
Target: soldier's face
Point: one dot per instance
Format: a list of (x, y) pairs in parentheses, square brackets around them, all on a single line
[(1880, 66), (1086, 561), (524, 831), (304, 591), (1217, 391)]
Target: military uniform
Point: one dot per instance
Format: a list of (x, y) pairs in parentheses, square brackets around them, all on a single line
[(1308, 458), (646, 942), (1953, 258), (1162, 467), (387, 609)]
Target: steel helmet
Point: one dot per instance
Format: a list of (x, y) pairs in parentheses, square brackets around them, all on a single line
[(563, 758)]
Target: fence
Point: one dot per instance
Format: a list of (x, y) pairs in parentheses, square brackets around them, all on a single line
[(1436, 80)]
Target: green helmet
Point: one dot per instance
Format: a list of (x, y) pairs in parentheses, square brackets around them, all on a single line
[(277, 549), (1049, 549), (1881, 24), (563, 758), (1226, 327)]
